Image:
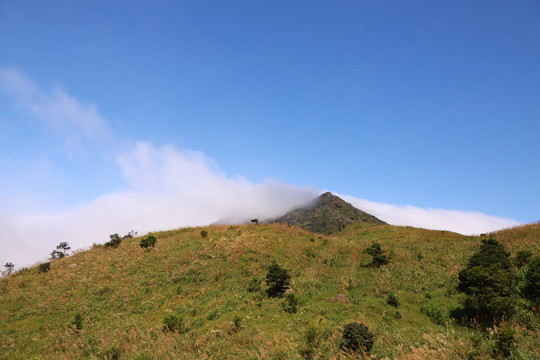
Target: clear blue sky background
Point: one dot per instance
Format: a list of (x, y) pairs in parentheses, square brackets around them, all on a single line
[(430, 103)]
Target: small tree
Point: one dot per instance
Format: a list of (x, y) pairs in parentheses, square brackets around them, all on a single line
[(55, 254), (356, 337), (276, 279), (204, 233), (255, 221), (64, 246), (378, 257), (490, 283), (9, 268), (147, 242)]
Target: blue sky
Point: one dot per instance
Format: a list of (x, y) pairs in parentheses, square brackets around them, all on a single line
[(409, 108)]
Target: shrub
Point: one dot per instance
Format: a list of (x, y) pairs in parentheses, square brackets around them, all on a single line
[(114, 242), (77, 321), (311, 338), (490, 283), (378, 257), (147, 242), (392, 300), (290, 304), (237, 322), (505, 342), (356, 337), (254, 285), (204, 233), (44, 267), (173, 324), (531, 289), (255, 221), (112, 353), (436, 315), (522, 258), (276, 279)]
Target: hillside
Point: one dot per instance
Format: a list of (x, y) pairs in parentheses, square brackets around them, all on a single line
[(327, 214), (210, 283)]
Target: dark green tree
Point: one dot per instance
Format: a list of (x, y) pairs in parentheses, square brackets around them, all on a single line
[(204, 233), (356, 337), (490, 282), (378, 257), (276, 279)]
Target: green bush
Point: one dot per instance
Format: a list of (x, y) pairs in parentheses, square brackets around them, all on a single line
[(311, 341), (436, 315), (378, 257), (112, 353), (392, 300), (77, 321), (254, 285), (204, 233), (276, 279), (173, 324), (44, 267), (531, 288), (505, 342), (147, 242), (490, 283), (523, 257), (114, 242), (290, 304), (357, 337)]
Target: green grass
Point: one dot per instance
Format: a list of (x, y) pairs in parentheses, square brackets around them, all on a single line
[(124, 294)]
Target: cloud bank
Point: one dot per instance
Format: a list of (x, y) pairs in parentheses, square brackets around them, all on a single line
[(463, 222), (168, 188)]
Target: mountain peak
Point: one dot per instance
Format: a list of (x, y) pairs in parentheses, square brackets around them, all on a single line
[(328, 213)]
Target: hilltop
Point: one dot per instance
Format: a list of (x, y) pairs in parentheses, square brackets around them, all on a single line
[(215, 286), (327, 214)]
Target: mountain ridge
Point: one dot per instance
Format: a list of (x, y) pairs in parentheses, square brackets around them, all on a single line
[(327, 214)]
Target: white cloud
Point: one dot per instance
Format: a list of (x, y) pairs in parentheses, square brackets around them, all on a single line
[(169, 188), (463, 222), (56, 108)]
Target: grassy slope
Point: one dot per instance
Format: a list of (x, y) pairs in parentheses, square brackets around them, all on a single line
[(124, 294)]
